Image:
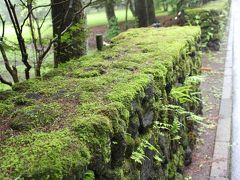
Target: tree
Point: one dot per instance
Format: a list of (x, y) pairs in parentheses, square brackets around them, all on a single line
[(68, 36), (113, 27), (109, 8), (145, 12), (21, 44), (73, 43)]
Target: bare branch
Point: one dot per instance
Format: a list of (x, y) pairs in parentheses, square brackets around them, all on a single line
[(21, 43), (3, 28), (2, 80), (36, 7), (23, 3), (44, 19), (12, 71)]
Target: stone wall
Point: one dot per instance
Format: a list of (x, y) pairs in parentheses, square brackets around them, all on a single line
[(127, 112), (212, 18)]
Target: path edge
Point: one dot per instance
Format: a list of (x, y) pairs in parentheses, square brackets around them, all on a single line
[(221, 156)]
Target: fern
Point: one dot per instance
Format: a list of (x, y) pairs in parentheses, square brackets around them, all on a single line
[(181, 111), (194, 80), (182, 94), (173, 128), (139, 155)]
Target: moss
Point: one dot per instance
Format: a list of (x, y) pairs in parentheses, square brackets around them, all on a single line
[(96, 131), (33, 116), (115, 174), (51, 155), (98, 90), (176, 163), (20, 100), (5, 109), (135, 86)]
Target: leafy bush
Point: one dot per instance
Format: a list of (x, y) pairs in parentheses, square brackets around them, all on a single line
[(113, 28)]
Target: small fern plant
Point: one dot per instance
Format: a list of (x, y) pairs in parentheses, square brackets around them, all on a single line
[(139, 155)]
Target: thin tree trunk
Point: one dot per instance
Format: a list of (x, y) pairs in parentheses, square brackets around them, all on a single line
[(126, 15), (132, 8), (12, 70)]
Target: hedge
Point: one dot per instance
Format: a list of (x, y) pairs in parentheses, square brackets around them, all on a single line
[(212, 18), (127, 112)]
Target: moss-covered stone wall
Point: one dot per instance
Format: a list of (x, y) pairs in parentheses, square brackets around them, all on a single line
[(212, 18), (127, 112)]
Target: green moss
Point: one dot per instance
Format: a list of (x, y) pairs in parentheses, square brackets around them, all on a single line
[(5, 109), (20, 100), (98, 91), (42, 156), (176, 162), (33, 116), (134, 87), (115, 174), (96, 131)]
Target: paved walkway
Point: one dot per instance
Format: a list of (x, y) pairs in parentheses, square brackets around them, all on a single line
[(226, 158)]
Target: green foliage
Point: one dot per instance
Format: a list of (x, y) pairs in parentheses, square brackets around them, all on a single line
[(89, 175), (181, 111), (212, 19), (139, 155), (173, 129), (189, 92), (113, 28), (5, 109)]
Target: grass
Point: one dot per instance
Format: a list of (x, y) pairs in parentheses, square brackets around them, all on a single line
[(99, 18)]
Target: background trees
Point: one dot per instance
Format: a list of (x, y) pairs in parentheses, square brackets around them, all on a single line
[(68, 34)]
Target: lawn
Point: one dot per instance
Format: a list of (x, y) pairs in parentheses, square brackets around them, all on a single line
[(99, 18)]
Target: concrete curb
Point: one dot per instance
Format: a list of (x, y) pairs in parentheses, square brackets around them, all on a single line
[(235, 154), (220, 169)]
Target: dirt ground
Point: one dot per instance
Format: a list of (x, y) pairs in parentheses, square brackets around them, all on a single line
[(211, 87)]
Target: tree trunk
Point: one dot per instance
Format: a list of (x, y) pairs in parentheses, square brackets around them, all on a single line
[(132, 8), (145, 12), (151, 12), (73, 43), (141, 13), (113, 26), (126, 13), (109, 8)]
